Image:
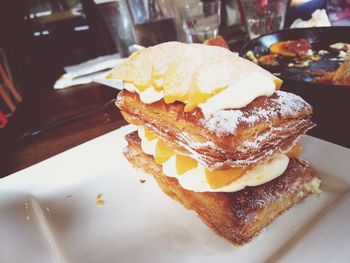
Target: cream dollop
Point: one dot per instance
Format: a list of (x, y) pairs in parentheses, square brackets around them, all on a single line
[(148, 96), (195, 179), (147, 146), (240, 94), (236, 96)]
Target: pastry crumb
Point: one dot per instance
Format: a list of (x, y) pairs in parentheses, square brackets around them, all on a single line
[(250, 55), (142, 181), (99, 200)]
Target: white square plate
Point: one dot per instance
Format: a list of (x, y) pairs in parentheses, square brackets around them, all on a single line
[(48, 213)]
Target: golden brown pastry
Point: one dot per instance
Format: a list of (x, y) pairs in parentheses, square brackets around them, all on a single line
[(216, 133), (237, 137), (237, 216)]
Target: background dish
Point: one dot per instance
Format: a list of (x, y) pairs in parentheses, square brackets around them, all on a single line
[(49, 211), (320, 38), (330, 102)]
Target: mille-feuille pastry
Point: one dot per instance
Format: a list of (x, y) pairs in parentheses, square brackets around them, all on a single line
[(237, 216), (216, 134)]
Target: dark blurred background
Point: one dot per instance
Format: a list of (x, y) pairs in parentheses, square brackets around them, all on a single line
[(39, 37)]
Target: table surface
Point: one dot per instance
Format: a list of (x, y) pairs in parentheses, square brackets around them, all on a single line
[(55, 121)]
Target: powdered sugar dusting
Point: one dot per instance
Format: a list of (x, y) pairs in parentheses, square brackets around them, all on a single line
[(196, 144), (256, 143), (227, 121), (283, 104), (224, 121), (290, 103), (262, 113)]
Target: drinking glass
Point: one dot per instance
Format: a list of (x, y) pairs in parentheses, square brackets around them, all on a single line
[(153, 21), (263, 16), (201, 20), (118, 20)]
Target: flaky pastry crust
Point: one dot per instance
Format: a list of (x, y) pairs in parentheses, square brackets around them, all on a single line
[(229, 138), (239, 216)]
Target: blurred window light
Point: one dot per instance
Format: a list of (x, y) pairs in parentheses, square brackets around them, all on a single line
[(298, 2), (81, 28), (43, 13)]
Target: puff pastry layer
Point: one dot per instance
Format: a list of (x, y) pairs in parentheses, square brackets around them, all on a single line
[(229, 138), (240, 216)]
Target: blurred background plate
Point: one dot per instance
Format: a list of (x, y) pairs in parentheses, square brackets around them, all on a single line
[(330, 102), (319, 37)]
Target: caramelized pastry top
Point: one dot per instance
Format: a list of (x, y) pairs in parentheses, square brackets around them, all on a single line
[(281, 104), (227, 122)]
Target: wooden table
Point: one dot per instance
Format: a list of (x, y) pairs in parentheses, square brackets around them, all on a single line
[(56, 121)]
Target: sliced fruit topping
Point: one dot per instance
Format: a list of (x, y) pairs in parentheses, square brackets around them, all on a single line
[(221, 178), (184, 164), (295, 151), (149, 134), (163, 152)]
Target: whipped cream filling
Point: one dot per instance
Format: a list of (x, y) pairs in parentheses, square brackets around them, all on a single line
[(235, 96), (148, 96), (147, 146), (195, 179), (240, 94)]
